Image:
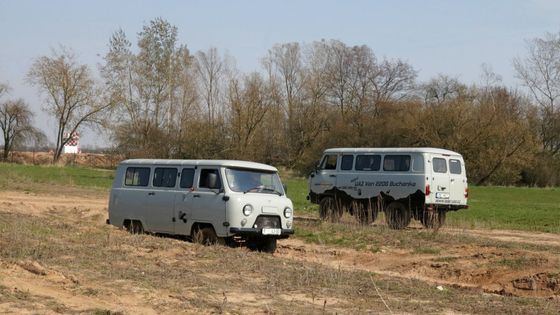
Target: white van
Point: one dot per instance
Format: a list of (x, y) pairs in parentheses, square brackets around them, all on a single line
[(405, 183), (208, 200)]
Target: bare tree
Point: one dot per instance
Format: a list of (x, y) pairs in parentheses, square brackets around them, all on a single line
[(70, 93), (211, 69), (248, 104), (15, 122), (4, 88), (540, 73), (287, 76), (441, 89)]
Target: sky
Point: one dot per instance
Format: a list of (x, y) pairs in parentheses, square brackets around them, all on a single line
[(454, 37)]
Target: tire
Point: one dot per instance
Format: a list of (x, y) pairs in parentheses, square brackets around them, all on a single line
[(363, 213), (135, 227), (267, 245), (397, 216), (433, 219), (206, 236), (329, 210)]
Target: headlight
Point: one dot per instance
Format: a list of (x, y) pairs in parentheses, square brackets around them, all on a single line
[(247, 210), (288, 212)]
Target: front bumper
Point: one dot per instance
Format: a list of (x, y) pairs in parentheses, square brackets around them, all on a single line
[(258, 232)]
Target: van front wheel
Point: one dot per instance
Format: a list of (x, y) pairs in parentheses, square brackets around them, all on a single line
[(267, 245), (328, 210), (397, 216), (262, 244), (433, 219), (206, 236)]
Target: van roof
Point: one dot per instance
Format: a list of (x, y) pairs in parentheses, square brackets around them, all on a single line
[(227, 163), (391, 150)]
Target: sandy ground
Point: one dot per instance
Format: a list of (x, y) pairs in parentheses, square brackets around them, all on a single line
[(465, 265)]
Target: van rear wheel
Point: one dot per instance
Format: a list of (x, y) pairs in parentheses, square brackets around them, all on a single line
[(397, 216), (135, 227), (433, 219), (329, 210)]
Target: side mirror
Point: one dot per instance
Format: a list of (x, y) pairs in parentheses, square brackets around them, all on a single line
[(285, 188)]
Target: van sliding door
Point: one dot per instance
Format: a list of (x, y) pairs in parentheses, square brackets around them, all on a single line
[(161, 200), (184, 202)]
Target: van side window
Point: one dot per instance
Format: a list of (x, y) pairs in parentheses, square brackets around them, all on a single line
[(418, 163), (440, 165), (329, 162), (454, 166), (137, 176), (187, 178), (396, 163), (210, 178), (368, 162), (165, 177), (347, 162)]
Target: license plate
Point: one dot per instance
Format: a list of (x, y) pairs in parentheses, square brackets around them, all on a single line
[(269, 231)]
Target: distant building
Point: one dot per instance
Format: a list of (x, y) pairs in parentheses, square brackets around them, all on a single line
[(72, 146)]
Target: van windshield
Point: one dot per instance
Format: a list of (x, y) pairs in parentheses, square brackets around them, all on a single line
[(254, 181)]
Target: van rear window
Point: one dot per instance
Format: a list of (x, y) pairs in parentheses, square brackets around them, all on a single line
[(454, 166), (396, 163), (137, 176), (368, 162), (165, 177), (440, 165)]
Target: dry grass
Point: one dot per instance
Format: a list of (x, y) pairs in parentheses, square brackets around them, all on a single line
[(349, 234), (168, 276)]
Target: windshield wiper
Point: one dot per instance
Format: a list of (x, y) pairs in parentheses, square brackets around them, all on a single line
[(262, 188), (272, 190)]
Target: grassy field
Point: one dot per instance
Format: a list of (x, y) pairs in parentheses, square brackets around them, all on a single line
[(517, 208), (33, 177)]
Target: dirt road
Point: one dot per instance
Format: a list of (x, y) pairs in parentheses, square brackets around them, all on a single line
[(522, 265)]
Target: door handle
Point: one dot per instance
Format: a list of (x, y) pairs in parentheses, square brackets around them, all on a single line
[(151, 193), (332, 175), (196, 196)]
